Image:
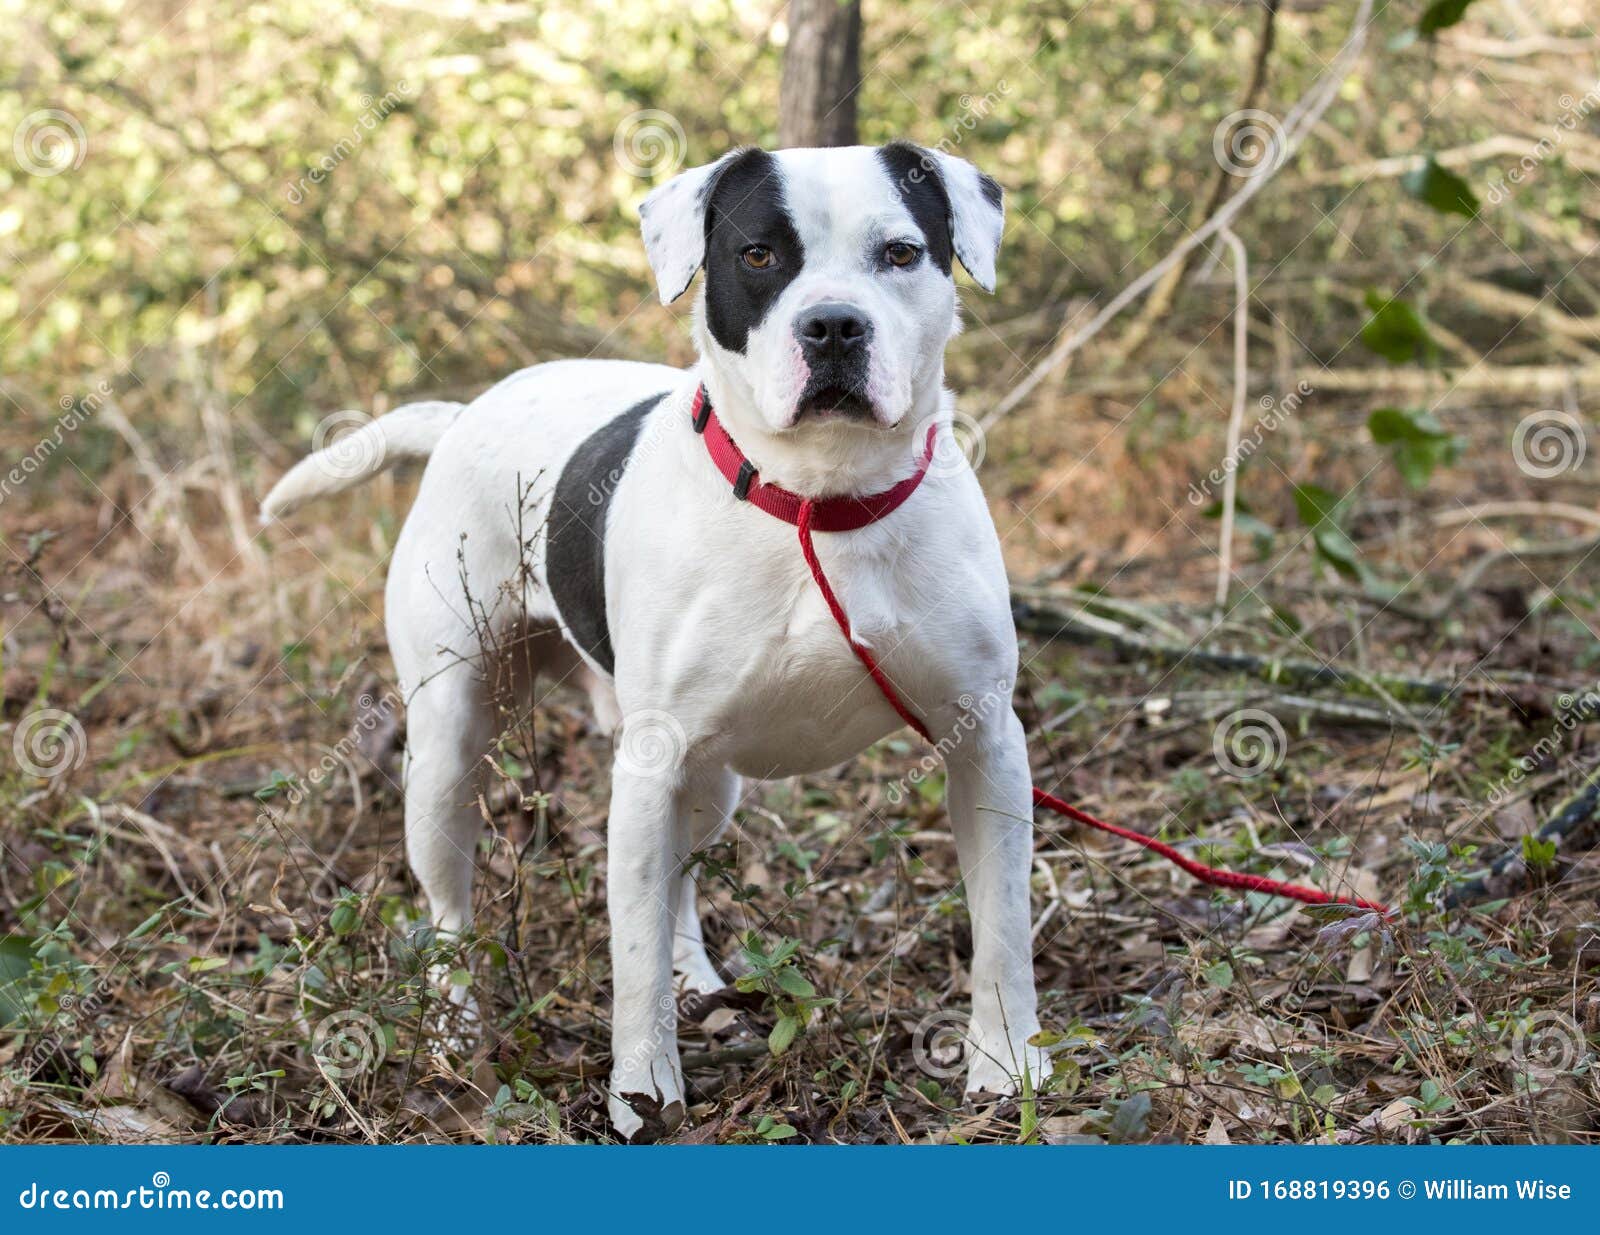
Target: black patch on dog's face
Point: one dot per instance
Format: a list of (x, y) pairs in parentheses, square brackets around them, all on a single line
[(922, 191), (746, 208)]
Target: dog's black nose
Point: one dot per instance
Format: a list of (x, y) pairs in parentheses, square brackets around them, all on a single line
[(832, 331)]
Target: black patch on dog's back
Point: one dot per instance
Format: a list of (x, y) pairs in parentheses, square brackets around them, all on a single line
[(575, 541), (747, 207), (921, 187)]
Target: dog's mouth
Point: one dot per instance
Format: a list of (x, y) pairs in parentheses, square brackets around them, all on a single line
[(833, 401)]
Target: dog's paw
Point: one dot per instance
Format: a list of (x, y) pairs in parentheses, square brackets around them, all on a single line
[(643, 1119), (645, 1098), (999, 1069)]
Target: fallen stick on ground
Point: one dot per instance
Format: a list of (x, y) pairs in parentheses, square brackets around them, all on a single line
[(1575, 826), (1038, 617)]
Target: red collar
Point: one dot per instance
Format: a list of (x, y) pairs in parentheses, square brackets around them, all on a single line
[(828, 514)]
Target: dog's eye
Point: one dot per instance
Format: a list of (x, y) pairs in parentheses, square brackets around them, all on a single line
[(759, 257), (899, 253)]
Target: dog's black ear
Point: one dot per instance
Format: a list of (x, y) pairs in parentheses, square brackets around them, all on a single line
[(673, 220), (977, 214)]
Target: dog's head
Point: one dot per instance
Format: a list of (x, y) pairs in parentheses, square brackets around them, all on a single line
[(829, 293)]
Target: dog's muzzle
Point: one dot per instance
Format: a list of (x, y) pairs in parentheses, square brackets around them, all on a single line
[(836, 339)]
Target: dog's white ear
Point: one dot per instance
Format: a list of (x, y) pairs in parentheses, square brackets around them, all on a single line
[(673, 220), (977, 215)]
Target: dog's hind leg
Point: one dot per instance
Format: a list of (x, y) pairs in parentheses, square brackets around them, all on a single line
[(705, 809), (450, 725)]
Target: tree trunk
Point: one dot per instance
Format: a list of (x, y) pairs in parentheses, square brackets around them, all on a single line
[(821, 74)]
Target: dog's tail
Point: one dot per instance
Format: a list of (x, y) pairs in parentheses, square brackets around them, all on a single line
[(408, 432)]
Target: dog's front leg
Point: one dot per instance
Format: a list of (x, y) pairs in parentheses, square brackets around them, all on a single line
[(646, 1099), (991, 808)]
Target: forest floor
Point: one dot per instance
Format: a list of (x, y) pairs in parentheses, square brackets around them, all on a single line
[(209, 929)]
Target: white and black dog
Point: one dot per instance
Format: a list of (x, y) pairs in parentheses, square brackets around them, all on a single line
[(688, 613)]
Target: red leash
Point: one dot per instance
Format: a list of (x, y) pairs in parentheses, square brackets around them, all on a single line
[(845, 514)]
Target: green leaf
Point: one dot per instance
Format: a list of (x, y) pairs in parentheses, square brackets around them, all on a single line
[(1219, 975), (1396, 331), (16, 967), (1540, 855), (148, 925), (794, 982), (1417, 442), (783, 1034), (1319, 510), (344, 918), (1440, 188), (1441, 15), (1131, 1119)]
